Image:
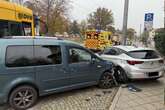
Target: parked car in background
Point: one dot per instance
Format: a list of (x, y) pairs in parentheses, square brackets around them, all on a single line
[(134, 62), (32, 67)]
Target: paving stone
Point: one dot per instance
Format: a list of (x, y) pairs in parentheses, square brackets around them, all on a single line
[(159, 105), (138, 108), (150, 98), (91, 98), (132, 103), (149, 107)]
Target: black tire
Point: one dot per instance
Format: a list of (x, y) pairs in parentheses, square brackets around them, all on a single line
[(120, 75), (106, 80), (23, 97)]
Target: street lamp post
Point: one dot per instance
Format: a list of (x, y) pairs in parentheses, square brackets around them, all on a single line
[(164, 29), (164, 14), (125, 20)]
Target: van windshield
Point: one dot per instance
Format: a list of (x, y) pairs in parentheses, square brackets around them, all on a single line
[(144, 54)]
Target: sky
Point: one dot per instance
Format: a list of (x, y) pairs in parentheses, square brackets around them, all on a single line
[(137, 9)]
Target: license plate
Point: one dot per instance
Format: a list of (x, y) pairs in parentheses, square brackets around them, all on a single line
[(153, 74)]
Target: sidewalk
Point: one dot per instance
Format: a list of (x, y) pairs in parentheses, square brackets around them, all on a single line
[(150, 98)]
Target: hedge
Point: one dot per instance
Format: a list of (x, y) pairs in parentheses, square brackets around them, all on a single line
[(160, 41)]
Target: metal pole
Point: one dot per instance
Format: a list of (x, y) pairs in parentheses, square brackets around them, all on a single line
[(164, 29), (125, 20), (140, 30), (164, 14)]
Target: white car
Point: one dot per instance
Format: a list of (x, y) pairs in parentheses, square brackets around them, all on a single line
[(135, 63)]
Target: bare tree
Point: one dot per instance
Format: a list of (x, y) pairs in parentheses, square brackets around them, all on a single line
[(51, 11)]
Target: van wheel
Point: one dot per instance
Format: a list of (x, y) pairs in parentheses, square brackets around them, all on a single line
[(106, 80), (23, 97), (120, 75)]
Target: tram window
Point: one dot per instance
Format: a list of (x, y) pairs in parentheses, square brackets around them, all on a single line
[(16, 29), (27, 29), (4, 29), (10, 28)]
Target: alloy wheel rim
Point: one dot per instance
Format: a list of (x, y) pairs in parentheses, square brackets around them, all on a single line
[(107, 80), (23, 98)]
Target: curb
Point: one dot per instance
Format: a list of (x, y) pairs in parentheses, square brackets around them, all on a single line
[(115, 100)]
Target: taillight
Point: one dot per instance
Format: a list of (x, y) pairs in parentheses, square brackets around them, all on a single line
[(161, 61), (134, 62)]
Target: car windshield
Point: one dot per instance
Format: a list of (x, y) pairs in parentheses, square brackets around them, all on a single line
[(144, 54)]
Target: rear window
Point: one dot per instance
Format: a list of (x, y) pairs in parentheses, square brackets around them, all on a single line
[(19, 56), (144, 54)]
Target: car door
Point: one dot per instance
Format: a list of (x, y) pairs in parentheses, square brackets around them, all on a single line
[(82, 71), (49, 66)]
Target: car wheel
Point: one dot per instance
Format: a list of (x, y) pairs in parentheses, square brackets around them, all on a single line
[(23, 97), (106, 80), (120, 75)]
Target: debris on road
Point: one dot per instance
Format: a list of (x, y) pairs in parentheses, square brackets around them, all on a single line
[(88, 99), (132, 88), (107, 92), (98, 95)]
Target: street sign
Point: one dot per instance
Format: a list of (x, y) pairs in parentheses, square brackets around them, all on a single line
[(148, 21), (149, 17)]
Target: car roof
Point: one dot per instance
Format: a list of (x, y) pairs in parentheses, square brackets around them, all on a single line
[(26, 38), (131, 48)]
